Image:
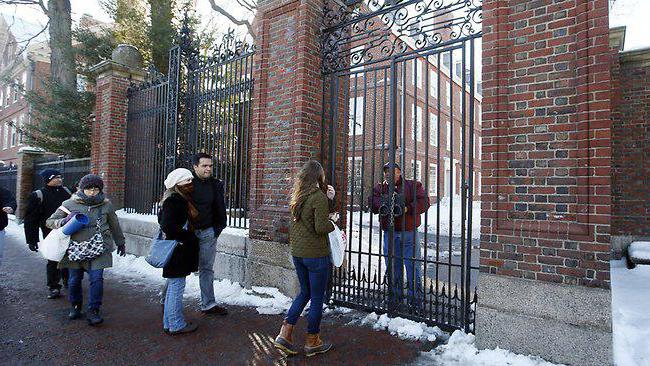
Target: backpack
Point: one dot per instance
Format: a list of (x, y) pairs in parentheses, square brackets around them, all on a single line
[(39, 194)]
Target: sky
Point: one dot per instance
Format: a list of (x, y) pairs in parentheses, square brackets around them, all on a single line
[(634, 15)]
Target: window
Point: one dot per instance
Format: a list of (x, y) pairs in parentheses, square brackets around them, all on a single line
[(416, 168), (433, 84), (433, 179), (15, 91), (24, 82), (447, 188), (448, 136), (446, 60), (448, 93), (458, 69), (2, 98), (479, 117), (21, 124), (81, 83), (416, 72), (417, 128), (8, 95), (354, 175), (478, 178), (356, 58), (14, 135), (433, 129), (356, 116)]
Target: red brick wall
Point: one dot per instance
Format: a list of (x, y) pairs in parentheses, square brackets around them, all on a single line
[(546, 141), (109, 135), (630, 146), (287, 113)]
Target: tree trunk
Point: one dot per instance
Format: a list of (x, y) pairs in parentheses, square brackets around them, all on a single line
[(62, 63)]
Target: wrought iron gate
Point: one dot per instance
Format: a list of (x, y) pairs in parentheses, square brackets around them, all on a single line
[(400, 87), (203, 105)]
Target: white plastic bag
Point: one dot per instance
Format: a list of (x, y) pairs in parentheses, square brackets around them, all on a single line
[(337, 241), (54, 246)]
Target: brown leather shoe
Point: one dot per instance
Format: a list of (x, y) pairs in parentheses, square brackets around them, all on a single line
[(217, 310), (314, 345), (284, 340), (189, 328)]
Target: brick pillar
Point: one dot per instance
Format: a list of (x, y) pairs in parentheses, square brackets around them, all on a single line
[(546, 179), (108, 153), (285, 129), (25, 178), (287, 112)]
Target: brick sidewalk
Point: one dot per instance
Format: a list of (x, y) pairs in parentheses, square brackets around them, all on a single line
[(36, 331)]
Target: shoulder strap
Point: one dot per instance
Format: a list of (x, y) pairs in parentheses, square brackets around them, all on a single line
[(39, 195), (67, 190), (64, 209)]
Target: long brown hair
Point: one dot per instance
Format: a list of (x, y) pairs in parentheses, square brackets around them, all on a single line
[(310, 178)]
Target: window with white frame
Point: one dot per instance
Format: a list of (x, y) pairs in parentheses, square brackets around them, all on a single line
[(447, 188), (446, 60), (416, 168), (356, 58), (448, 93), (433, 84), (433, 179), (8, 95), (356, 116), (354, 175), (24, 81), (455, 177), (21, 124), (416, 73), (433, 129), (417, 127), (81, 83), (15, 91), (14, 135)]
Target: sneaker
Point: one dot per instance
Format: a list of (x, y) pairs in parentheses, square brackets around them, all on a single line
[(93, 317), (55, 293), (75, 312), (217, 310), (189, 328)]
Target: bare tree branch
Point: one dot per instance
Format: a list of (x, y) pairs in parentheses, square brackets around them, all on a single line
[(247, 5), (38, 3), (230, 17)]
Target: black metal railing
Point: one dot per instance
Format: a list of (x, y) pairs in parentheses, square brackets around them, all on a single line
[(72, 171), (204, 105), (8, 178)]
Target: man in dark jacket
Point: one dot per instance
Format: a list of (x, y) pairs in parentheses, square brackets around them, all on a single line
[(410, 201), (8, 204), (208, 197), (41, 205)]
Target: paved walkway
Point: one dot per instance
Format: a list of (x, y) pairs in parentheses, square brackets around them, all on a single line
[(36, 331)]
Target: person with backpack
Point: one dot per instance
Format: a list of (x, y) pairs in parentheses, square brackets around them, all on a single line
[(90, 248), (41, 205)]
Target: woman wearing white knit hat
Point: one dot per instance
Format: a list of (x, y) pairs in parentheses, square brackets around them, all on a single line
[(176, 222)]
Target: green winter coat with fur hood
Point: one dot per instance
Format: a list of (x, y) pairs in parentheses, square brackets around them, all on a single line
[(110, 228)]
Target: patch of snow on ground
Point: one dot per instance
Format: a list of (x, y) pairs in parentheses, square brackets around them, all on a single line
[(154, 219), (460, 350), (403, 328), (630, 315)]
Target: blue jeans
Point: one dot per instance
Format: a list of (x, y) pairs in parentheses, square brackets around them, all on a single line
[(96, 278), (406, 253), (2, 244), (207, 252), (173, 318), (312, 275)]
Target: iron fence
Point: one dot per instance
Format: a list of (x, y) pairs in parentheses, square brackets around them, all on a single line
[(72, 170), (8, 178), (203, 105)]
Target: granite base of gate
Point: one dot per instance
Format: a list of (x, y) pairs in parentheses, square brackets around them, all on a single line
[(560, 323), (239, 259)]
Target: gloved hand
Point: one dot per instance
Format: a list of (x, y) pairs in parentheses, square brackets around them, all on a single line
[(121, 250), (33, 247)]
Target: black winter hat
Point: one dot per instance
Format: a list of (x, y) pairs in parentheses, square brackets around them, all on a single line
[(91, 181), (49, 174), (394, 165)]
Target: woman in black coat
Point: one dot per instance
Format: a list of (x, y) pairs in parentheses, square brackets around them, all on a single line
[(176, 222)]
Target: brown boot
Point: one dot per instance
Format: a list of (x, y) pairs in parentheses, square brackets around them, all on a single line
[(284, 340), (314, 345)]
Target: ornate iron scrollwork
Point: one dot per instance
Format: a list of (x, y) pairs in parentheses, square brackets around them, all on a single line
[(374, 30)]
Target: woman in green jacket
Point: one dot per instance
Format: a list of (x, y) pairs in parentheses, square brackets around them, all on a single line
[(310, 225), (103, 226)]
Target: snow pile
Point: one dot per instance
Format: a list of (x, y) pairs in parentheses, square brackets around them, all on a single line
[(266, 300), (154, 219), (403, 328), (630, 315), (639, 251), (460, 350)]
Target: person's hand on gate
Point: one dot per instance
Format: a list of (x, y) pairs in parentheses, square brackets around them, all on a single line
[(33, 247), (331, 192)]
